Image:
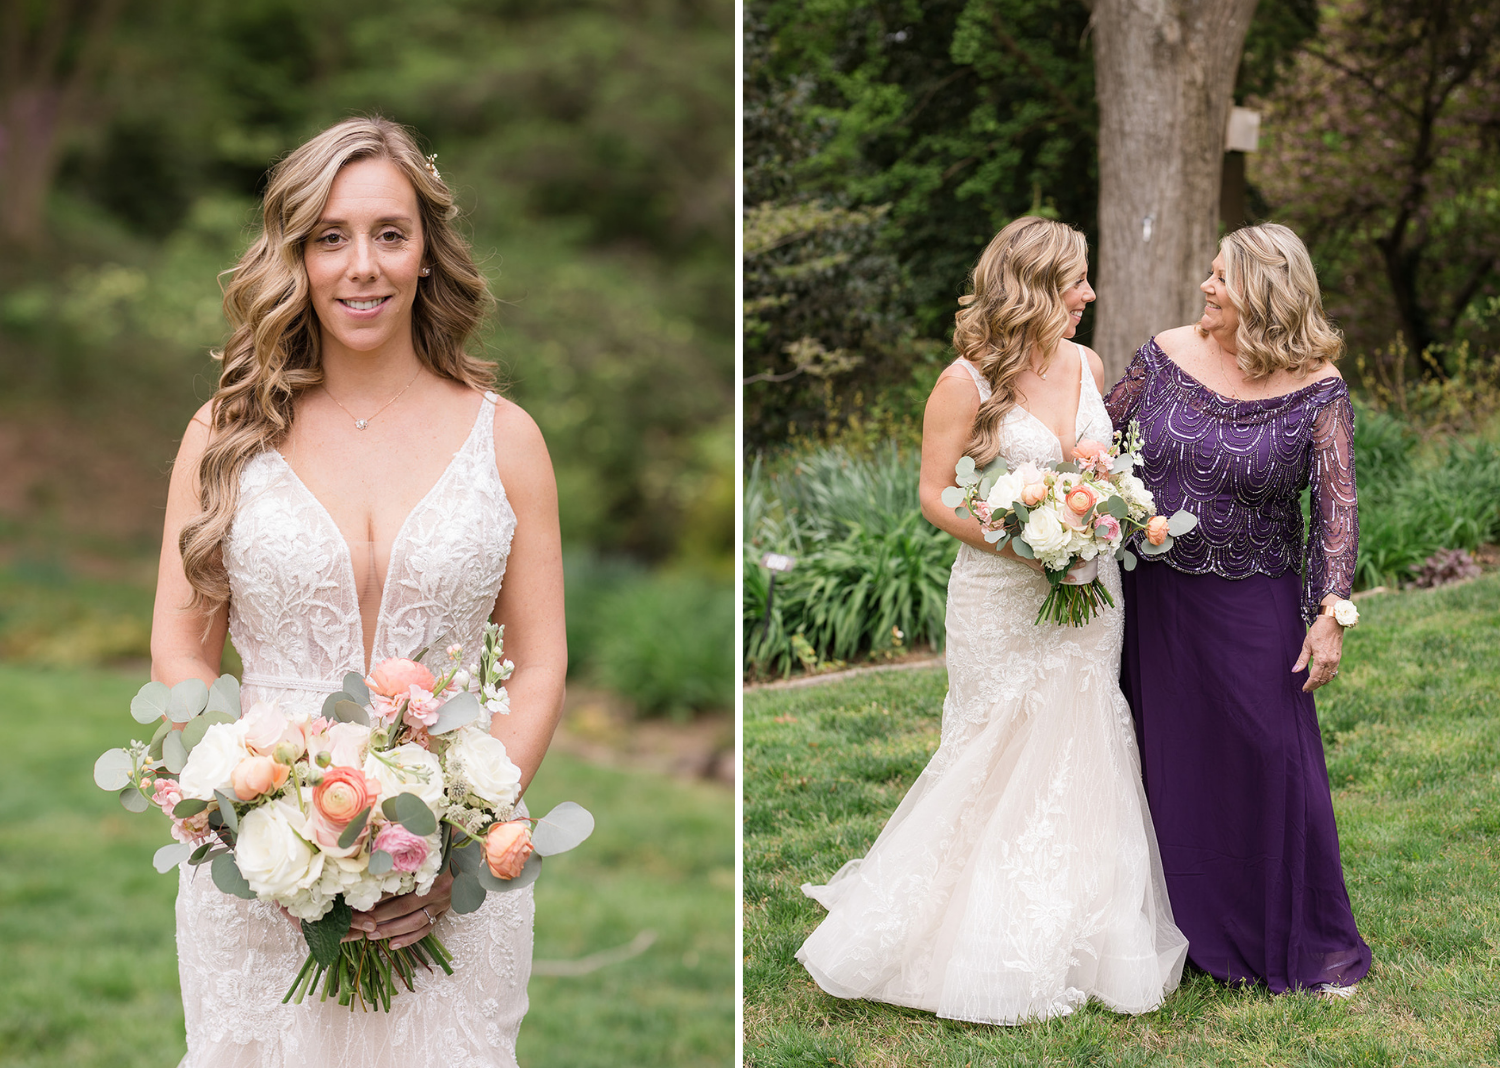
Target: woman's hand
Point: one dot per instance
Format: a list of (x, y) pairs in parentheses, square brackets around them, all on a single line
[(1323, 648), (407, 918)]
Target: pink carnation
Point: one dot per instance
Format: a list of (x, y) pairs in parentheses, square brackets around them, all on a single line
[(407, 850), (422, 707)]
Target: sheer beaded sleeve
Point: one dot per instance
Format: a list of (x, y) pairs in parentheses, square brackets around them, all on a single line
[(1333, 539), (1125, 398)]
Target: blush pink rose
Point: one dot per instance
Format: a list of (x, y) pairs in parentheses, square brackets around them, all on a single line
[(344, 793), (1107, 527), (407, 850), (506, 848), (1033, 493), (264, 727), (396, 677), (1156, 529), (257, 775)]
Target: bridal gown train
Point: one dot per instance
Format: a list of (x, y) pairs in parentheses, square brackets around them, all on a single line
[(1019, 877), (294, 617)]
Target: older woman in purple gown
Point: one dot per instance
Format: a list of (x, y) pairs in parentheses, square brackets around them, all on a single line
[(1224, 643)]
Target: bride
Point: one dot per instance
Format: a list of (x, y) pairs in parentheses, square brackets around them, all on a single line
[(351, 493), (1019, 877)]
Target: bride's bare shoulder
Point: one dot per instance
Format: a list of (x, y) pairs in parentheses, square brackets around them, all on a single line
[(519, 445), (199, 432)]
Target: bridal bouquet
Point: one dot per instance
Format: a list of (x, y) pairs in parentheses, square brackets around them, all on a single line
[(1067, 514), (396, 779)]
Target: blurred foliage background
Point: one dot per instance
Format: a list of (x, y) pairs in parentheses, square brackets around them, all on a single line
[(886, 141), (591, 145)]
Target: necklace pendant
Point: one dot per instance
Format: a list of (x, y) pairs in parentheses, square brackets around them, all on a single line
[(360, 424)]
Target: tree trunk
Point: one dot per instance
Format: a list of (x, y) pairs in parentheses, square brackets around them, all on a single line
[(1164, 72)]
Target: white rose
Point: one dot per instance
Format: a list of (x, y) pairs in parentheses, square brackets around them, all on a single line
[(408, 769), (1048, 537), (275, 860), (486, 765), (212, 761), (1345, 613), (1005, 492), (347, 743)]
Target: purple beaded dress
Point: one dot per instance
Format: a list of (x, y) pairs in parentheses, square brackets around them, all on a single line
[(1230, 747)]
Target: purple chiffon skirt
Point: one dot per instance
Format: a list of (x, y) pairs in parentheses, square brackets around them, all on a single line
[(1233, 765)]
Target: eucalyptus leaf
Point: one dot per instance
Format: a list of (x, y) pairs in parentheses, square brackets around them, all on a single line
[(354, 686), (1020, 548), (169, 856), (953, 496), (324, 935), (466, 858), (1127, 559), (150, 703), (227, 877), (330, 703), (468, 895), (200, 854), (458, 710), (562, 829), (1023, 514), (985, 485), (113, 769), (154, 749), (1124, 462), (193, 733), (189, 807), (227, 812), (533, 868), (224, 696), (134, 800), (356, 825), (964, 467), (1147, 549), (1070, 468), (992, 536), (411, 812), (173, 752), (996, 467), (380, 862), (187, 700), (347, 711), (1117, 507), (1181, 522), (962, 513)]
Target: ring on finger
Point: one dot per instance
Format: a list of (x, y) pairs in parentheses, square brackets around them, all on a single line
[(430, 921)]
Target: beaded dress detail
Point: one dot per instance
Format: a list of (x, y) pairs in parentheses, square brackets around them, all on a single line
[(1019, 877), (294, 617), (1240, 466)]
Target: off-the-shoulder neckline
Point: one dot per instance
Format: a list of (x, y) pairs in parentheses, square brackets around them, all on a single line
[(1320, 383)]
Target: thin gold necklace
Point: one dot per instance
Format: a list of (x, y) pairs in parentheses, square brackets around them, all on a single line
[(360, 424)]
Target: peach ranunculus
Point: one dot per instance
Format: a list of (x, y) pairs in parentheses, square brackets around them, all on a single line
[(1156, 529), (1033, 494), (506, 847), (257, 775), (396, 677), (1080, 499), (344, 793)]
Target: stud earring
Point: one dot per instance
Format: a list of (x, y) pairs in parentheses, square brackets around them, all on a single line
[(426, 271)]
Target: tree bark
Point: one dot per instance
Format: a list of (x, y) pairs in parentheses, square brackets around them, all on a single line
[(1164, 72)]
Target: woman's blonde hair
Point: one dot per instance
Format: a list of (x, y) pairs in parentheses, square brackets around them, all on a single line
[(1274, 289), (1015, 305), (273, 353)]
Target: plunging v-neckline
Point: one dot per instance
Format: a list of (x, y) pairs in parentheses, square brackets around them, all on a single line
[(368, 655), (1083, 369)]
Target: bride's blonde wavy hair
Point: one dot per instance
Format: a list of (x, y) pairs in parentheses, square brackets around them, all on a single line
[(1015, 305), (1274, 289), (273, 353)]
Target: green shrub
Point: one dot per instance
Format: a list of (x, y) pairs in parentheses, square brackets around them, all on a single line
[(666, 641)]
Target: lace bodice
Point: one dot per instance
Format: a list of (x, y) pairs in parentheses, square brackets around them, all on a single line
[(1026, 439), (294, 617), (1240, 466), (298, 628)]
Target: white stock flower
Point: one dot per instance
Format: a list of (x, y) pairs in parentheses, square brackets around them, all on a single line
[(484, 762), (408, 769), (1140, 500), (273, 857), (213, 760)]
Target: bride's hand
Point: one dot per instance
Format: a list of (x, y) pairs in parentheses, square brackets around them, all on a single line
[(407, 918)]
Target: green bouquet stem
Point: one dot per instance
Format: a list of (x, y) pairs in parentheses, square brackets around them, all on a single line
[(365, 973), (1073, 606)]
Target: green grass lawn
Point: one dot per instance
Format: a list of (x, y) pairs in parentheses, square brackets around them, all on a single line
[(1412, 730), (88, 971)]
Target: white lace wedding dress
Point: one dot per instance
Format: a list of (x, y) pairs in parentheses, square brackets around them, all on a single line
[(1019, 877), (294, 617)]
